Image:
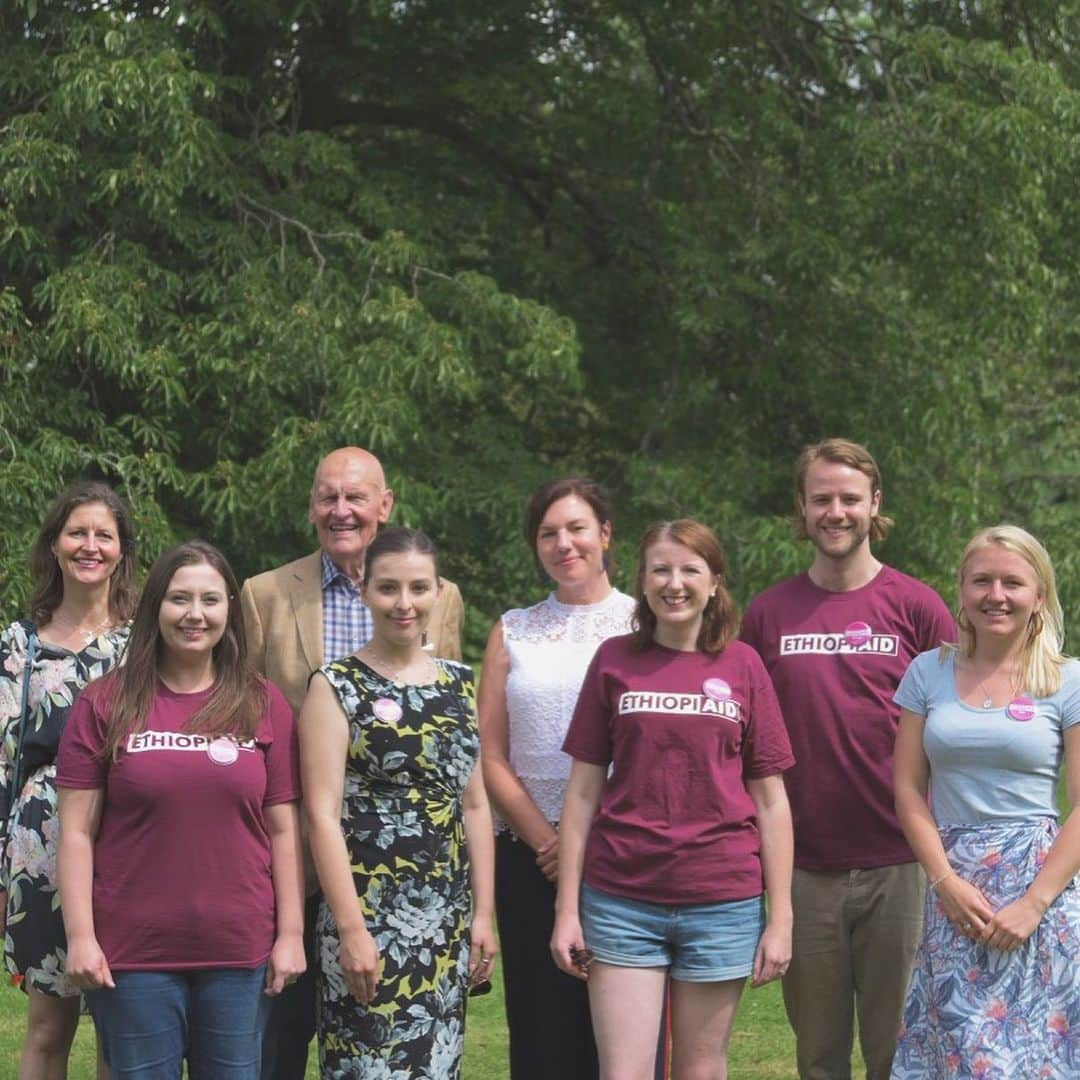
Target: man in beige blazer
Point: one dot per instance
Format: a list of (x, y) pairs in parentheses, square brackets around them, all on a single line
[(290, 614)]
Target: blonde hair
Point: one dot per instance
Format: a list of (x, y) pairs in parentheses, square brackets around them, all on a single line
[(1041, 655)]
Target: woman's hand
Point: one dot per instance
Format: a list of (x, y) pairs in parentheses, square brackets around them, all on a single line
[(547, 859), (567, 941), (1012, 925), (965, 906), (773, 953), (482, 952), (286, 964), (359, 959), (86, 966)]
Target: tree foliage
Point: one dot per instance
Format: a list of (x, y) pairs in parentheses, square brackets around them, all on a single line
[(665, 243)]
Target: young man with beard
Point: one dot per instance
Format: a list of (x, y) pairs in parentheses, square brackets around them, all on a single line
[(836, 641)]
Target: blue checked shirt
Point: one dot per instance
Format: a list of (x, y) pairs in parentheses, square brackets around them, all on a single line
[(346, 619)]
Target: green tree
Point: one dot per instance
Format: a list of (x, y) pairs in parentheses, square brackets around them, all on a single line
[(198, 303), (666, 243)]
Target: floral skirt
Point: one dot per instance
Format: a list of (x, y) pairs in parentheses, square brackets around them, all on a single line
[(982, 1013), (35, 948)]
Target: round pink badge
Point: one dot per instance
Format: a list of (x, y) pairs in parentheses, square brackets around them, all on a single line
[(388, 710), (716, 689), (857, 634), (223, 751), (1021, 708)]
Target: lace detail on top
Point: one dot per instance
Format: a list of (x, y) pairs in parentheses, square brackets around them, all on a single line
[(550, 646)]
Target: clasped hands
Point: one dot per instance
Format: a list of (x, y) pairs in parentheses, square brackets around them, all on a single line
[(972, 915)]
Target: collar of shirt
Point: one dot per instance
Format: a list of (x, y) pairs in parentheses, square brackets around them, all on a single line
[(331, 573)]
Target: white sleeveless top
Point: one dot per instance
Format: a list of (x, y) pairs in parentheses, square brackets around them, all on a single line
[(550, 646)]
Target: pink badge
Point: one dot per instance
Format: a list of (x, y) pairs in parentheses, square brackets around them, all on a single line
[(716, 689), (857, 634), (1021, 708), (223, 751), (388, 710)]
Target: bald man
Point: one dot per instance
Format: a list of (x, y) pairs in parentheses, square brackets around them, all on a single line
[(303, 615)]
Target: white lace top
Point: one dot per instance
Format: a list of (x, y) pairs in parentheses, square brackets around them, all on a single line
[(550, 646)]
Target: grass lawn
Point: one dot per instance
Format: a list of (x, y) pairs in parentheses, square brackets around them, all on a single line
[(762, 1046)]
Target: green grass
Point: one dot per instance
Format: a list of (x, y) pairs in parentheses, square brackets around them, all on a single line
[(762, 1046)]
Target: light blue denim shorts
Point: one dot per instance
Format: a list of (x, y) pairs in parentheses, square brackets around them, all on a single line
[(696, 942)]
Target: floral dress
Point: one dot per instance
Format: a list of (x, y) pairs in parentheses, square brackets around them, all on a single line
[(411, 752), (975, 1013), (34, 943)]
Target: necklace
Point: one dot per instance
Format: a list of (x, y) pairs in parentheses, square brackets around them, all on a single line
[(72, 625), (988, 700)]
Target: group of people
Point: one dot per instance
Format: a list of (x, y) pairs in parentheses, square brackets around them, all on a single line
[(845, 789)]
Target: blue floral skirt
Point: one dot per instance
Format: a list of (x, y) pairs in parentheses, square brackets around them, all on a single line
[(986, 1014)]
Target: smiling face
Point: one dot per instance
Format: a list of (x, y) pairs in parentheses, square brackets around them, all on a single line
[(400, 591), (570, 542), (838, 506), (677, 585), (999, 592), (349, 500), (88, 547), (194, 612)]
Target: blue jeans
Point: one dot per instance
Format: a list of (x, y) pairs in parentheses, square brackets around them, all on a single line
[(154, 1019)]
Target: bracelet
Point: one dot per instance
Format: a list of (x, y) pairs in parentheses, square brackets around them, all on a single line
[(937, 881)]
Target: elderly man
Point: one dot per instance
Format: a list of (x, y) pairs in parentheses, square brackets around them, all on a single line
[(302, 615)]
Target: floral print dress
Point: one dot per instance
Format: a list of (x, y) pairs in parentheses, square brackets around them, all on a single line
[(411, 752), (975, 1013), (34, 944)]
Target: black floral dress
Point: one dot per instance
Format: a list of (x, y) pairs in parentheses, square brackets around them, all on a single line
[(35, 948), (411, 752)]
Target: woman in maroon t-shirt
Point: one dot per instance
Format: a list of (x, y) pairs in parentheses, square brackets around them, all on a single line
[(675, 820), (180, 868)]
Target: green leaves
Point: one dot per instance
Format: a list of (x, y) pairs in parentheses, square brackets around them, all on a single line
[(496, 242)]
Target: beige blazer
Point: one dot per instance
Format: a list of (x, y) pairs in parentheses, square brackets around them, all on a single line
[(283, 618)]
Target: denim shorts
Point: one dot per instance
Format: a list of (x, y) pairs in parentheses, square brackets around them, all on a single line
[(696, 942)]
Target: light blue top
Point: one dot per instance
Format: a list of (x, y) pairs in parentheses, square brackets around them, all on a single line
[(984, 766)]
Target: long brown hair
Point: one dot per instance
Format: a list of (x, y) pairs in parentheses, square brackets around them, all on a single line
[(238, 699), (47, 580), (720, 619)]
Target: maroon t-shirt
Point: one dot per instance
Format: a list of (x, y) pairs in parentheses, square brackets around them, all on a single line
[(684, 731), (836, 659), (182, 856)]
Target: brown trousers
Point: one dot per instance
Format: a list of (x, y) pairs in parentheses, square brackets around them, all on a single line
[(856, 932)]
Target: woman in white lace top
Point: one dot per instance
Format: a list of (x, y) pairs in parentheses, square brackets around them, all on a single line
[(533, 669)]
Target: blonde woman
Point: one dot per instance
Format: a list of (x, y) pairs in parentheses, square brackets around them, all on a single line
[(984, 728)]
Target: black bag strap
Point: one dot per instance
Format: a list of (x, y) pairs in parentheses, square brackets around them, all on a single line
[(24, 713)]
